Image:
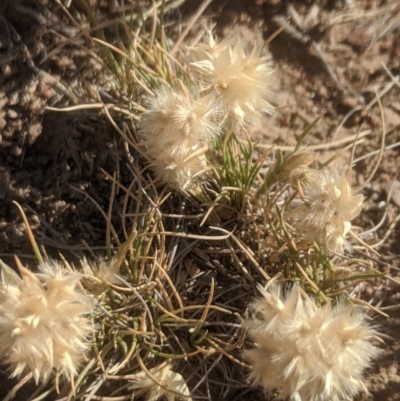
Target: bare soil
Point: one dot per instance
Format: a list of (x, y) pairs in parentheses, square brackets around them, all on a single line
[(329, 59)]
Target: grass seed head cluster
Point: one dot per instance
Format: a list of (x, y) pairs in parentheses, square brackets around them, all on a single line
[(45, 324), (308, 352), (329, 204), (242, 80), (176, 130)]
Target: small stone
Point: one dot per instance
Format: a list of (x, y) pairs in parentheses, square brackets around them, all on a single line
[(35, 219), (12, 114), (349, 102), (16, 125), (361, 38), (24, 98), (34, 131), (323, 92), (13, 98), (7, 71), (36, 104), (3, 122), (16, 151), (396, 296)]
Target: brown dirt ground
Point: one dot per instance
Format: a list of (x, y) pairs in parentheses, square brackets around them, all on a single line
[(48, 159)]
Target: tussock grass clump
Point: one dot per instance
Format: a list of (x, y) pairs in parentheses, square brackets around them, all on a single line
[(199, 223)]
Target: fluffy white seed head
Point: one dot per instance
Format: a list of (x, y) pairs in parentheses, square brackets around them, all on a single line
[(296, 167), (44, 326), (242, 81), (175, 127), (329, 205), (308, 352), (161, 382), (329, 195), (180, 169), (99, 273)]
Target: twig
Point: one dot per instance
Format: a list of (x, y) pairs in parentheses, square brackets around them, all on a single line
[(394, 79), (389, 28), (382, 141), (20, 384), (375, 152), (377, 226), (335, 144), (387, 234)]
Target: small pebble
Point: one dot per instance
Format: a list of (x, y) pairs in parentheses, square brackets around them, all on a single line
[(16, 151), (349, 102), (13, 98), (12, 114), (360, 38), (3, 122)]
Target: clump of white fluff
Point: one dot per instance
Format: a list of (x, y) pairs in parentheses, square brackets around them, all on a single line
[(161, 382), (44, 321), (176, 131), (241, 80), (329, 204), (308, 352)]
